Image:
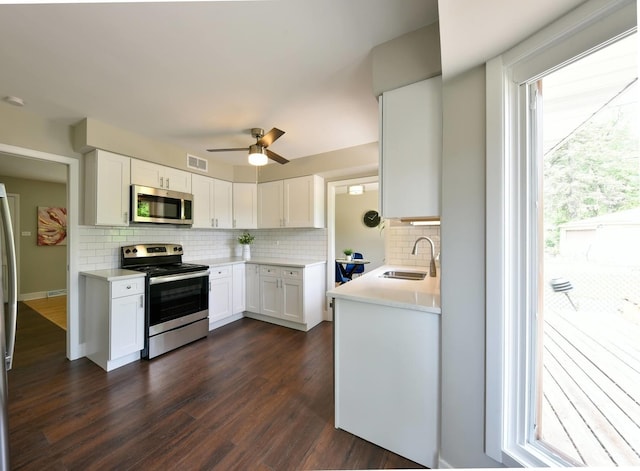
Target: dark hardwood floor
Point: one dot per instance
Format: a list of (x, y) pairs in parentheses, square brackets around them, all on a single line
[(251, 396)]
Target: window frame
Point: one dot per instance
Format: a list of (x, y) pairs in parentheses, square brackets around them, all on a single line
[(511, 249)]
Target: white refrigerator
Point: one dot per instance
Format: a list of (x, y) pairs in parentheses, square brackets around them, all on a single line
[(8, 314)]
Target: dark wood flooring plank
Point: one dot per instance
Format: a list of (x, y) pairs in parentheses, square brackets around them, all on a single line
[(250, 396)]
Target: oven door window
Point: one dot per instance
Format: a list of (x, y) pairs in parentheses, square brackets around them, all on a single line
[(177, 299)]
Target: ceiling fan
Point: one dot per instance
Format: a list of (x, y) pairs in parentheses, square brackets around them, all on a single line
[(258, 152)]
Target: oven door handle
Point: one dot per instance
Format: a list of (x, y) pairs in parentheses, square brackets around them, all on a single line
[(169, 278)]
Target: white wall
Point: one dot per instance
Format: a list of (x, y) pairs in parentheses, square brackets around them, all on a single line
[(463, 275), (350, 232)]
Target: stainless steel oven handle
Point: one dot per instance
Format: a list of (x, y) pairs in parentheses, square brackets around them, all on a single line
[(169, 278)]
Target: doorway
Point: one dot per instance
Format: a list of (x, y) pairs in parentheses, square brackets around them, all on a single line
[(363, 238), (25, 155)]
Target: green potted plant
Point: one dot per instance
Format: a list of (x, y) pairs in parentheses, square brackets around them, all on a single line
[(245, 239), (348, 253)]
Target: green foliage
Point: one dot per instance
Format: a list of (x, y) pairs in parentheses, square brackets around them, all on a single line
[(347, 252), (245, 238), (595, 172)]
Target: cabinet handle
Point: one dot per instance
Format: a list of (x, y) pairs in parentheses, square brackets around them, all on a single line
[(213, 224), (161, 182), (142, 301), (209, 286), (126, 216), (167, 183), (216, 222), (128, 286), (234, 223)]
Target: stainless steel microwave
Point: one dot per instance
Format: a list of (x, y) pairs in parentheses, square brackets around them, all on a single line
[(159, 206)]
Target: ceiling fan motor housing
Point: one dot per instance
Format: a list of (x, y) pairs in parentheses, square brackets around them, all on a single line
[(257, 132)]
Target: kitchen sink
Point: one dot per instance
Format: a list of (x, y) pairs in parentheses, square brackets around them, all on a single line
[(405, 275)]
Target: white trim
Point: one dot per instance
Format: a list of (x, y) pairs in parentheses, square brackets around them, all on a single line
[(74, 348), (508, 246), (331, 230)]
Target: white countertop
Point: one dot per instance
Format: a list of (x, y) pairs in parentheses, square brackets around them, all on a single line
[(212, 262), (421, 295), (113, 274)]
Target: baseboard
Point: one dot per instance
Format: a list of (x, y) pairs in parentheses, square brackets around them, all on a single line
[(41, 294)]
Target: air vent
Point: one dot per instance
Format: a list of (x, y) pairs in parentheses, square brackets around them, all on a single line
[(197, 163)]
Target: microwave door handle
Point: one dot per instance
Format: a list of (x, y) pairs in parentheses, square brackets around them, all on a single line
[(12, 298)]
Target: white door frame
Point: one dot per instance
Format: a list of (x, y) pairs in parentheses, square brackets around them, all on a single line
[(73, 191), (331, 228)]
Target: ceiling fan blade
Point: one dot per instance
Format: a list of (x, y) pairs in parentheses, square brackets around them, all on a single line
[(270, 137), (228, 150), (273, 156)]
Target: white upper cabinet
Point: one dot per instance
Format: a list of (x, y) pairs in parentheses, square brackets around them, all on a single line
[(270, 204), (158, 176), (211, 202), (294, 202), (304, 201), (107, 183), (245, 205), (411, 150)]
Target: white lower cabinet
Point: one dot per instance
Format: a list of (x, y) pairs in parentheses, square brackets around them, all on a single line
[(226, 294), (281, 292), (239, 288), (220, 292), (292, 296), (252, 295), (114, 316)]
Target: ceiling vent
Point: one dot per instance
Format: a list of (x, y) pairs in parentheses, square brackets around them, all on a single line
[(197, 163)]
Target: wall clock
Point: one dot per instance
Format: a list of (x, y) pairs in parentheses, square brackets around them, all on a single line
[(371, 218)]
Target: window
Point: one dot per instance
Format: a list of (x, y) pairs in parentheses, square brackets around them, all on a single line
[(518, 414)]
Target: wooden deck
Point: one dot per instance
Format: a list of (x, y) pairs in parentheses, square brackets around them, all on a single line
[(591, 383)]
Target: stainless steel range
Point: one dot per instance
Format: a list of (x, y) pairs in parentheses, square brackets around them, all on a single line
[(176, 295)]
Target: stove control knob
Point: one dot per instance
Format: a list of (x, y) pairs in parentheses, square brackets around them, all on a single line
[(135, 250), (127, 251), (176, 249)]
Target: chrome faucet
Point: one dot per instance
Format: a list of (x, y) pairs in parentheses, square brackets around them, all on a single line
[(432, 263)]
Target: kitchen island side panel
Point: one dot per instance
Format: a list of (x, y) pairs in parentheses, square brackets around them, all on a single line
[(387, 377)]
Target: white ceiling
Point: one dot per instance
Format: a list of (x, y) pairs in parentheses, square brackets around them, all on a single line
[(473, 31), (201, 74)]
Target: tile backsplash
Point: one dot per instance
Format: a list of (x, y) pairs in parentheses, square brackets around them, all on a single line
[(100, 246), (399, 242)]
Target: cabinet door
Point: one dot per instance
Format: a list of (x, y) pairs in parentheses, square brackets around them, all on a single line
[(411, 150), (126, 326), (292, 307), (252, 297), (270, 206), (146, 173), (238, 301), (158, 176), (219, 298), (222, 204), (298, 202), (176, 180), (202, 201), (245, 205), (107, 182), (270, 296)]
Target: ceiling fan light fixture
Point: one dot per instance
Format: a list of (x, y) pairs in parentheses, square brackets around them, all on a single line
[(257, 156)]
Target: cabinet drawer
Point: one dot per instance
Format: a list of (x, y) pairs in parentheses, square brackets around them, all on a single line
[(220, 272), (292, 273), (127, 287), (269, 271)]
